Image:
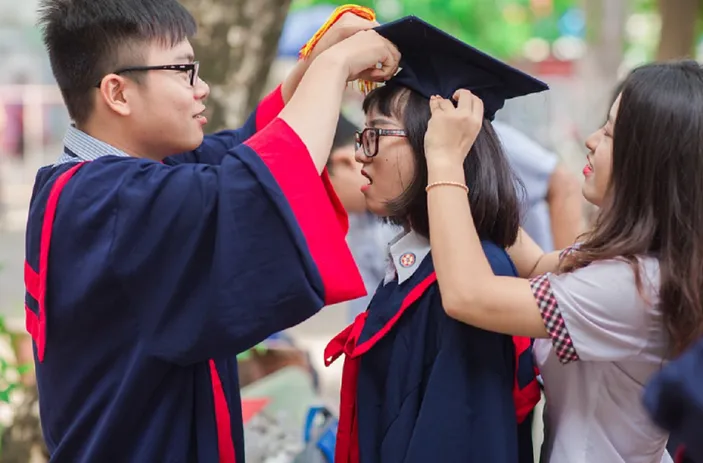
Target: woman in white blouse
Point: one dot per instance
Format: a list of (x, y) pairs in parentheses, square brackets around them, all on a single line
[(610, 311)]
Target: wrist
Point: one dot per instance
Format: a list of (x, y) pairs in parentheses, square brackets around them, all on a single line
[(291, 82), (445, 171), (333, 64), (445, 164)]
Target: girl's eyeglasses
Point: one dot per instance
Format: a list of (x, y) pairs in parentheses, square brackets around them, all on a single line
[(368, 139)]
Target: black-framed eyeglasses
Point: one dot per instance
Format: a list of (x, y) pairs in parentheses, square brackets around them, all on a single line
[(368, 139), (190, 68)]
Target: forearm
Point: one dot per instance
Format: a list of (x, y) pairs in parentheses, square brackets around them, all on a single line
[(529, 259), (313, 109), (456, 247), (291, 82), (471, 292), (548, 263)]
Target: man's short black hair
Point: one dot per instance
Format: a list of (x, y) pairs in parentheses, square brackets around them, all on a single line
[(88, 39)]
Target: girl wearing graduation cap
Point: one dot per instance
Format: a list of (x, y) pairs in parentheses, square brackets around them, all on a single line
[(417, 385), (610, 311)]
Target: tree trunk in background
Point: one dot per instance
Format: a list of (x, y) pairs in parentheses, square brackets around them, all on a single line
[(606, 37), (598, 71), (678, 31), (236, 43)]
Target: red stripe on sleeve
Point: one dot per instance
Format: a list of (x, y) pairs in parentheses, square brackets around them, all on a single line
[(44, 245), (315, 206), (225, 445), (680, 456), (31, 281), (31, 323), (527, 398), (269, 108)]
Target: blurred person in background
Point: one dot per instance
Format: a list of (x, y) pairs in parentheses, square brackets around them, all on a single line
[(14, 130), (553, 207), (3, 127), (368, 236)]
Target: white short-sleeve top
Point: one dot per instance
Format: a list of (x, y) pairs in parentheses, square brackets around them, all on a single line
[(607, 340)]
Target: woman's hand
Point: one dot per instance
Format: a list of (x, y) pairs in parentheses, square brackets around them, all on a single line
[(452, 131)]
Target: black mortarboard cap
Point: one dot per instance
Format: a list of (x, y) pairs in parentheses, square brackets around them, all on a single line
[(435, 63)]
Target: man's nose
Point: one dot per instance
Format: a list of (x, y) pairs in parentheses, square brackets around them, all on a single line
[(202, 89)]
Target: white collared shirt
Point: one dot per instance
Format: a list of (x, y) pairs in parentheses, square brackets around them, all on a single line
[(79, 146), (405, 253), (368, 239), (607, 341)]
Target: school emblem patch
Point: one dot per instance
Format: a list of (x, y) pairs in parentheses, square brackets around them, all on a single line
[(407, 260)]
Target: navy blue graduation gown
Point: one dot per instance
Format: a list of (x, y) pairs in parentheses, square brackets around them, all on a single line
[(674, 398), (145, 279), (419, 386)]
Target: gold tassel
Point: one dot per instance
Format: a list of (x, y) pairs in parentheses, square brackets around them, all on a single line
[(361, 11), (367, 13)]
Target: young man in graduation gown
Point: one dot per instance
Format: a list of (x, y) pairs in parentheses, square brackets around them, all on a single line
[(147, 272)]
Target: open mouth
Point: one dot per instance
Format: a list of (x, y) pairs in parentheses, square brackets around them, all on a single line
[(200, 115), (367, 177)]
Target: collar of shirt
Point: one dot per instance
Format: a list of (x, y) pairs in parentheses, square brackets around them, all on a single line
[(406, 252), (79, 146)]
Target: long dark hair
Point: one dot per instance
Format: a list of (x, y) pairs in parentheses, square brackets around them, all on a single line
[(654, 202), (492, 184)]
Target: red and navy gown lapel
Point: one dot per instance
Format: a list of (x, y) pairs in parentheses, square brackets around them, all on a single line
[(388, 306), (368, 329)]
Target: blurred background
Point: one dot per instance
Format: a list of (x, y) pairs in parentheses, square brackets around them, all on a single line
[(582, 48)]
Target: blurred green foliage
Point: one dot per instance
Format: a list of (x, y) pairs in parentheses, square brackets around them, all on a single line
[(500, 27), (10, 372)]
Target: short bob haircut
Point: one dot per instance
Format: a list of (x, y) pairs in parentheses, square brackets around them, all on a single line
[(493, 187)]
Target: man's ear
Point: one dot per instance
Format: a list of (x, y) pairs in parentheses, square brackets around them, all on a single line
[(113, 93)]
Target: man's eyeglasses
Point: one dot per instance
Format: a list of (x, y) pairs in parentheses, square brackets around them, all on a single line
[(190, 68), (368, 139)]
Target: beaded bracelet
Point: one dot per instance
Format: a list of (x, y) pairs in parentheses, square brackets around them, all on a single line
[(457, 184)]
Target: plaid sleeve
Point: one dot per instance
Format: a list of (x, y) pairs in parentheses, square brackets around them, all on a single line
[(553, 320), (567, 250)]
